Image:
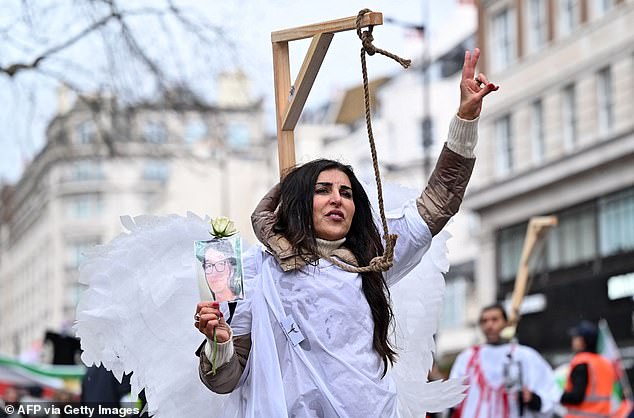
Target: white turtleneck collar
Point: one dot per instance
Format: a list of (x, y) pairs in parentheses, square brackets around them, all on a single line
[(326, 247)]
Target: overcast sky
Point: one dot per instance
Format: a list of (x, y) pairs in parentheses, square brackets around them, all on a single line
[(249, 23)]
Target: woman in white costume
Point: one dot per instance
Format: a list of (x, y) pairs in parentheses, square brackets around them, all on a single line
[(312, 339)]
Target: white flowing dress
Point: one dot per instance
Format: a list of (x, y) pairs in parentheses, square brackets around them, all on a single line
[(137, 316)]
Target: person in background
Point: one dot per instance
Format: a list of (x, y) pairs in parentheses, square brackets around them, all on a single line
[(591, 380), (11, 397), (100, 387), (505, 379)]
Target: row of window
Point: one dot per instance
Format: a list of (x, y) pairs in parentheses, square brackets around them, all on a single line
[(84, 206), (156, 132), (601, 228), (93, 171), (566, 15), (505, 157)]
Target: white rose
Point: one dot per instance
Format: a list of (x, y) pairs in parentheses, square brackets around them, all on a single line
[(222, 227)]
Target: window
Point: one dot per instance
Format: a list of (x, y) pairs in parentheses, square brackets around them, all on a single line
[(86, 132), (195, 131), (574, 239), (510, 243), (616, 222), (238, 135), (156, 170), (537, 131), (504, 146), (605, 99), (84, 205), (601, 7), (76, 251), (537, 24), (454, 304), (503, 34), (569, 16), (155, 132), (570, 117), (451, 62), (86, 170)]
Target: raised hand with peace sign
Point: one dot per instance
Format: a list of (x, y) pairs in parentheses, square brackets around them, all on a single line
[(473, 89)]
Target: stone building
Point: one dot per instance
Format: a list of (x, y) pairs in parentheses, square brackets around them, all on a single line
[(558, 138), (103, 160)]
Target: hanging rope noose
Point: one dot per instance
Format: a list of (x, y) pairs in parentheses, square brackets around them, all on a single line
[(385, 261)]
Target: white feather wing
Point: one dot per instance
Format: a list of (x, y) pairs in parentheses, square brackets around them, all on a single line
[(138, 311), (417, 302)]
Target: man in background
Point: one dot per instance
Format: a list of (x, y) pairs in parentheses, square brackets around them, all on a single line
[(506, 379)]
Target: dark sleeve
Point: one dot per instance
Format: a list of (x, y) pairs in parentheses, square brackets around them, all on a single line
[(579, 380), (124, 387), (535, 403), (443, 195), (228, 375)]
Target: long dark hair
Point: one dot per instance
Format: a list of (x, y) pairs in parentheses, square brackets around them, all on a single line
[(295, 222)]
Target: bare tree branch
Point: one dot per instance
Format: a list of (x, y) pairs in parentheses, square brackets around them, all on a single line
[(115, 14), (132, 53), (13, 69)]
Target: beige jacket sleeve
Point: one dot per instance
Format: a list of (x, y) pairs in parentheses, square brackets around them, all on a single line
[(445, 189), (228, 374), (263, 219)]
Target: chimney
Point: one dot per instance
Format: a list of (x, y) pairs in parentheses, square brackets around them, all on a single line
[(234, 89), (63, 100)]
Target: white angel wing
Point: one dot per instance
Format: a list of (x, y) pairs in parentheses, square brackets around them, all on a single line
[(137, 314), (417, 302)]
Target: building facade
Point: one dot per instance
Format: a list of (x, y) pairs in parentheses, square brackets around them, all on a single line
[(102, 161), (558, 139)]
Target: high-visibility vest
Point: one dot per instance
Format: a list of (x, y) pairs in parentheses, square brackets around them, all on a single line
[(601, 379)]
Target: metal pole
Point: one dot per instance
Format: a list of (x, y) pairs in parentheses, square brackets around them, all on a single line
[(426, 123)]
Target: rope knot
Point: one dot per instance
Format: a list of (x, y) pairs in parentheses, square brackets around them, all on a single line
[(367, 38), (386, 261), (366, 42)]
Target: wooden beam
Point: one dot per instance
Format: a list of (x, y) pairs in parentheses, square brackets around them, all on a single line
[(536, 231), (282, 81), (306, 78), (289, 105), (332, 26)]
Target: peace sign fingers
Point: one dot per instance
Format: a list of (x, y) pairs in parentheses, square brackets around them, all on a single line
[(472, 89), (470, 63)]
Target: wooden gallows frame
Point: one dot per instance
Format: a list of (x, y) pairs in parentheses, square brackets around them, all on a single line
[(536, 231), (289, 102)]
